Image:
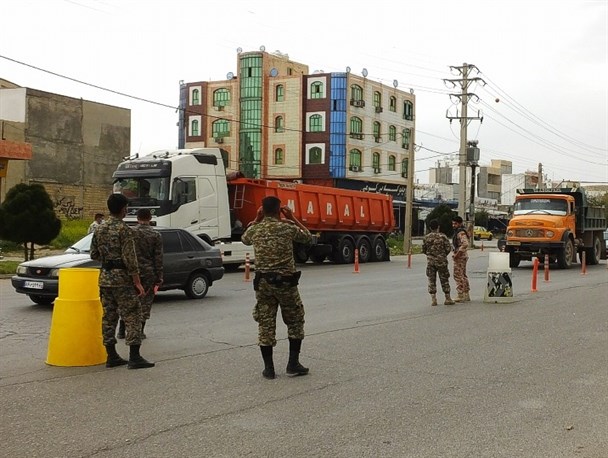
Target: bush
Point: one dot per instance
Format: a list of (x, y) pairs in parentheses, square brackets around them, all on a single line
[(71, 231), (395, 246)]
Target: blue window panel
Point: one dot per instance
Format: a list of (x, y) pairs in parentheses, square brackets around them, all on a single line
[(337, 126)]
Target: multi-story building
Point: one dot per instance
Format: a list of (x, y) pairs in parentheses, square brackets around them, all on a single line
[(276, 120), (74, 146), (489, 179)]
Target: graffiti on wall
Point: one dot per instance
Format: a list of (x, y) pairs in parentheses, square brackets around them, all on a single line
[(68, 208)]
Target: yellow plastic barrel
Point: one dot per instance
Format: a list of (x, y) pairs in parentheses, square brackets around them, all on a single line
[(75, 337)]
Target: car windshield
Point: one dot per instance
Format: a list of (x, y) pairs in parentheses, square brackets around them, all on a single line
[(82, 246), (541, 205), (143, 191)]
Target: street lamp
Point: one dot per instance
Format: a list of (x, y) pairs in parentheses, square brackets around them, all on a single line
[(472, 160)]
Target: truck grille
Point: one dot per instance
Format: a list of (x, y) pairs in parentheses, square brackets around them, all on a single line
[(529, 233)]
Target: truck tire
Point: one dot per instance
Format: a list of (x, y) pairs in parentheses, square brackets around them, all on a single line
[(564, 256), (197, 285), (317, 258), (513, 259), (378, 249), (300, 254), (344, 252), (593, 254), (365, 250)]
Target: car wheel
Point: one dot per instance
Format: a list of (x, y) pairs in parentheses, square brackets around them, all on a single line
[(41, 300), (197, 285), (489, 238)]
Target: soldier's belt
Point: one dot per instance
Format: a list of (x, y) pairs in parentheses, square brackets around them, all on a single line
[(278, 279), (113, 264)]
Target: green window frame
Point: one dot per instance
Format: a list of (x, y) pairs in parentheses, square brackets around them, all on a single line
[(354, 158), (220, 128), (315, 155), (377, 99), (408, 110), (404, 167), (194, 128), (406, 138), (376, 161), (315, 123), (221, 97), (356, 92), (279, 93), (316, 90), (392, 133), (377, 132), (392, 160), (196, 97), (356, 125), (279, 158), (279, 124), (393, 104)]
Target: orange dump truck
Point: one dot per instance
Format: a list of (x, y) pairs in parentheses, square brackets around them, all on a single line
[(339, 219)]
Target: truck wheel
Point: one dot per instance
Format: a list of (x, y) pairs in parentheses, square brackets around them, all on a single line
[(513, 259), (378, 249), (564, 256), (41, 300), (300, 254), (197, 285), (365, 250), (345, 252), (593, 254), (317, 258)]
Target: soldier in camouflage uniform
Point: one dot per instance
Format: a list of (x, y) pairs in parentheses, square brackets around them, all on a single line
[(460, 240), (437, 246), (119, 283), (149, 247), (276, 280)]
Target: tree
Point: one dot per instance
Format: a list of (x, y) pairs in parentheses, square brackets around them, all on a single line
[(27, 216), (481, 218), (444, 214), (599, 201)]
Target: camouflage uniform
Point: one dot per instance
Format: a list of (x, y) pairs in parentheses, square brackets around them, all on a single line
[(273, 244), (460, 241), (113, 244), (149, 247), (437, 246)]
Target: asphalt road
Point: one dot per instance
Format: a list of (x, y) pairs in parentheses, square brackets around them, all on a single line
[(390, 375)]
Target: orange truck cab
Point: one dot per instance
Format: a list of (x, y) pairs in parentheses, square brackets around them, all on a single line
[(558, 223)]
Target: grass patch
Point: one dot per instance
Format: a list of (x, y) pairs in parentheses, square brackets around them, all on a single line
[(8, 267), (395, 245), (71, 231)]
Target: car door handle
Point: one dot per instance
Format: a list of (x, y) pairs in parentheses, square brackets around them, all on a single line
[(194, 221), (190, 256)]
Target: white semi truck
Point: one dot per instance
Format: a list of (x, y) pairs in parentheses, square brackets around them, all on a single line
[(185, 189)]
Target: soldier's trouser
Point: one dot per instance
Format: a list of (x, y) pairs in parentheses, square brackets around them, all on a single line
[(147, 299), (269, 298), (121, 301), (432, 270), (460, 275)]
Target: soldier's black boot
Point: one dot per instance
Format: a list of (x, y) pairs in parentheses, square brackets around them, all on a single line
[(136, 361), (268, 371), (121, 330), (114, 358), (293, 366)]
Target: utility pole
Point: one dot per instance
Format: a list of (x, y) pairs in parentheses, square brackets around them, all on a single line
[(464, 119), (539, 185), (472, 160)]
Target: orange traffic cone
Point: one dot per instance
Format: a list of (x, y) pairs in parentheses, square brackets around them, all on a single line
[(247, 268), (356, 271)]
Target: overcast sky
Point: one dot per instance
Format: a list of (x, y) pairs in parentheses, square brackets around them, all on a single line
[(546, 62)]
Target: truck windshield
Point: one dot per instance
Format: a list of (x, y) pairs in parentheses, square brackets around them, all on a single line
[(540, 205), (142, 190)]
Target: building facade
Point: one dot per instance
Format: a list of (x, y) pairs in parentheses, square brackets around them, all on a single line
[(75, 147), (276, 120)]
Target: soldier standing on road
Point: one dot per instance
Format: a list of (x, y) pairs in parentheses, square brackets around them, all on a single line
[(460, 240), (276, 281), (96, 222), (437, 246), (119, 283)]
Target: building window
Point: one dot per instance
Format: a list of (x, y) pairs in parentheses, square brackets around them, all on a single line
[(391, 163), (354, 160), (279, 124), (280, 93), (393, 104), (356, 128), (378, 101), (316, 90), (196, 97), (404, 168), (278, 156), (405, 143), (392, 133), (315, 155), (315, 123), (356, 92), (376, 162), (220, 128), (194, 132), (377, 134), (408, 110), (221, 97)]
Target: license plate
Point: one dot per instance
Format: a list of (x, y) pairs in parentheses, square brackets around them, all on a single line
[(33, 284), (514, 243)]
